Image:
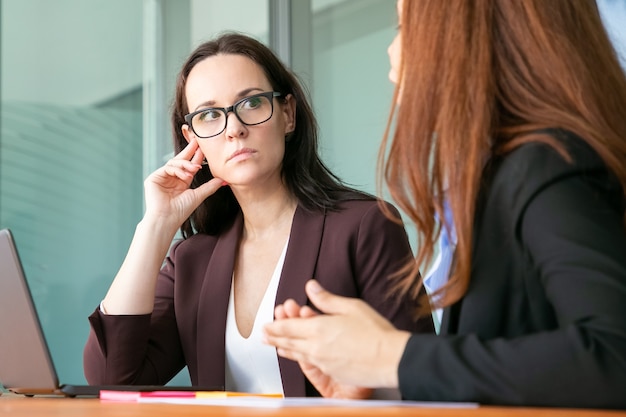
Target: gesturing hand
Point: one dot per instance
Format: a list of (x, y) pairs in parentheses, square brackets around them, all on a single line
[(167, 191), (351, 343), (326, 385)]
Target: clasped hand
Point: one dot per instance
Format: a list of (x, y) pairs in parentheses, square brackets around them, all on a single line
[(344, 352)]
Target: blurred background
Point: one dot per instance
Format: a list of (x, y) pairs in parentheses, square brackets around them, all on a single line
[(86, 88)]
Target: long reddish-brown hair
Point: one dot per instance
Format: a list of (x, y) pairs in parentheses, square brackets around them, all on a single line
[(477, 78)]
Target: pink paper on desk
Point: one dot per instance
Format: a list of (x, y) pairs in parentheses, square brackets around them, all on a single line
[(106, 395), (134, 396)]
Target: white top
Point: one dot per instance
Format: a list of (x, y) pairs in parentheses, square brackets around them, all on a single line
[(251, 365)]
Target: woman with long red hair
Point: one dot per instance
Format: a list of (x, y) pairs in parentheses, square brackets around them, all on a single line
[(512, 114)]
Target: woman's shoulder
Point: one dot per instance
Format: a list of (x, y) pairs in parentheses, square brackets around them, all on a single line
[(554, 152), (516, 178), (365, 220), (369, 209), (363, 204), (195, 245)]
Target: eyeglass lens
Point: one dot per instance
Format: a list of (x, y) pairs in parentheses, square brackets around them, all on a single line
[(250, 111)]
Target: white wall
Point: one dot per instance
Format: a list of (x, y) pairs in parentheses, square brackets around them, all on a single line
[(71, 58), (209, 18)]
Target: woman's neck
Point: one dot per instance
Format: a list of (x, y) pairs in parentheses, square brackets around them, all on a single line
[(266, 213)]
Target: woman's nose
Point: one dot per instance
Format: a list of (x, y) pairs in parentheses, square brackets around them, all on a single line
[(234, 127)]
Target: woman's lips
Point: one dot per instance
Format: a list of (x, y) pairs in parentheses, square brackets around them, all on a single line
[(241, 153)]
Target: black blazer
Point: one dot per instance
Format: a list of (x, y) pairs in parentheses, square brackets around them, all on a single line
[(543, 322), (351, 251)]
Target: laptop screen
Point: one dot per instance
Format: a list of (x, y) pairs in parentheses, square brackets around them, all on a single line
[(25, 360)]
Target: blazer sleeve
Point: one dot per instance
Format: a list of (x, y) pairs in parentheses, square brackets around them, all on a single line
[(136, 349), (572, 232), (382, 249)]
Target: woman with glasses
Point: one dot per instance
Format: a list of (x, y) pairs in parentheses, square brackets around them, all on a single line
[(260, 215), (513, 113)]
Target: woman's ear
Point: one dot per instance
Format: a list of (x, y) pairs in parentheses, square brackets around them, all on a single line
[(187, 133), (289, 113)]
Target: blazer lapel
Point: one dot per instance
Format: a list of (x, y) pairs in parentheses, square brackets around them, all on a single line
[(299, 267), (445, 322), (450, 319), (213, 308), (450, 316)]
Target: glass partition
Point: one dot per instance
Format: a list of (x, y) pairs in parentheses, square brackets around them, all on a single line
[(351, 91), (70, 154), (85, 92)]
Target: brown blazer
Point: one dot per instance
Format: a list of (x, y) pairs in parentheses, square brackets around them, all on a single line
[(351, 252)]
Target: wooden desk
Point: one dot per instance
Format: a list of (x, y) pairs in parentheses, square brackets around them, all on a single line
[(18, 406)]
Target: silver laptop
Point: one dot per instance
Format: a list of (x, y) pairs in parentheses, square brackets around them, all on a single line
[(26, 366)]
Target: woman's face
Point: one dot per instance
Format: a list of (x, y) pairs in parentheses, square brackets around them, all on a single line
[(395, 50), (241, 154)]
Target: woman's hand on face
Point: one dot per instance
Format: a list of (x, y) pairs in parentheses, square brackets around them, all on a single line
[(351, 344), (167, 191), (326, 385)]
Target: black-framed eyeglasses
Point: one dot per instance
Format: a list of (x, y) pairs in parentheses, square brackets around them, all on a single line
[(250, 111)]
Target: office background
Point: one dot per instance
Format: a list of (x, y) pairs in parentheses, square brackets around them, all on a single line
[(85, 88)]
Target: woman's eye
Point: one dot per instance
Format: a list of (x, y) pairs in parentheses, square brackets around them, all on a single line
[(210, 115), (253, 102)]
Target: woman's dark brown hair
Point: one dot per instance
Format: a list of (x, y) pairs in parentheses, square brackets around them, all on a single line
[(479, 78), (304, 174)]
